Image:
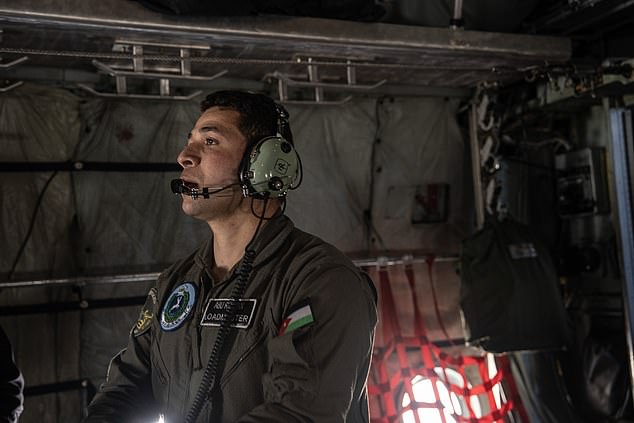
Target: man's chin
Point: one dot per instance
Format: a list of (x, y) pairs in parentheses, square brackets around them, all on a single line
[(196, 210), (189, 208)]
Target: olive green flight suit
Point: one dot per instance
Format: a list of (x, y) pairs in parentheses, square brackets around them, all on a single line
[(315, 373)]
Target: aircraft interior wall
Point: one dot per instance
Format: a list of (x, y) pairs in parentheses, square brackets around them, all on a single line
[(107, 223)]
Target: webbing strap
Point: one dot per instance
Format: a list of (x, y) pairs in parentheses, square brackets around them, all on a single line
[(420, 331), (511, 386), (390, 324), (430, 265)]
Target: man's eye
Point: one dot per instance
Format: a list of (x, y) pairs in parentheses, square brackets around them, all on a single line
[(210, 141)]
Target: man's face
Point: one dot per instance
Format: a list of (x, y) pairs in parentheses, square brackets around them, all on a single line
[(211, 159)]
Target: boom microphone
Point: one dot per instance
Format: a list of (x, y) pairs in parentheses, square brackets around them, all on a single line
[(178, 187)]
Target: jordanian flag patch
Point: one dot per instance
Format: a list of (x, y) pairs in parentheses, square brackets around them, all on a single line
[(302, 316)]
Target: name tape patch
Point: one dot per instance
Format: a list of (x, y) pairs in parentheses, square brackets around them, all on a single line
[(217, 311), (522, 251)]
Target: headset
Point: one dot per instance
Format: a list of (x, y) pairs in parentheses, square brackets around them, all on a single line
[(271, 167)]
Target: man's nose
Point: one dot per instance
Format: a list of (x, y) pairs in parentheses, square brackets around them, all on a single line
[(188, 157)]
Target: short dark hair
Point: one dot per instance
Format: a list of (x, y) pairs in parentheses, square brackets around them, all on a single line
[(259, 114)]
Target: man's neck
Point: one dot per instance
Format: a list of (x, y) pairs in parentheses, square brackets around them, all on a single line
[(231, 237), (233, 233)]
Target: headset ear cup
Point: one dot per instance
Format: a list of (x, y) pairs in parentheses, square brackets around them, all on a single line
[(269, 168)]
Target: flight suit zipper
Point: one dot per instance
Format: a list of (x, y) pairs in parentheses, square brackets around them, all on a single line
[(236, 365)]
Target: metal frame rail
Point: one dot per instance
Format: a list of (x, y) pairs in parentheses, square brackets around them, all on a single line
[(620, 135)]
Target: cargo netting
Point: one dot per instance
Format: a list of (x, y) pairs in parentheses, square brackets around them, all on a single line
[(413, 380)]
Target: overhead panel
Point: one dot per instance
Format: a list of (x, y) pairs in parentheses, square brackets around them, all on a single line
[(283, 51)]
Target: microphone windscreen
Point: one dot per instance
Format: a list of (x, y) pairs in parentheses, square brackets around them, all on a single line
[(178, 186)]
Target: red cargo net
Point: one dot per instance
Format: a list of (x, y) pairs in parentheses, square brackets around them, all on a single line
[(437, 387)]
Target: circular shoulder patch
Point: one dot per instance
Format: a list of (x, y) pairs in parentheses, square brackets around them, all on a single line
[(178, 306)]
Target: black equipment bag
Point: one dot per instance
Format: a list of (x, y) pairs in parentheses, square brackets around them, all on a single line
[(510, 294)]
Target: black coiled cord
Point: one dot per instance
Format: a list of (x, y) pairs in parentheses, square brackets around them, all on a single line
[(218, 352), (209, 377)]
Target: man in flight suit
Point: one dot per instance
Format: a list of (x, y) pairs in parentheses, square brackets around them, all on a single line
[(11, 383), (264, 322)]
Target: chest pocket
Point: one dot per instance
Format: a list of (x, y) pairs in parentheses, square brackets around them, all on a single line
[(172, 369), (248, 352), (160, 379)]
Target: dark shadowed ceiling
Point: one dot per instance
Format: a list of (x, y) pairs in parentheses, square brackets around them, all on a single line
[(63, 39), (412, 50)]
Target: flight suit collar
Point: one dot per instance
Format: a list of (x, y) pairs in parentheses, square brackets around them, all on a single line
[(269, 239)]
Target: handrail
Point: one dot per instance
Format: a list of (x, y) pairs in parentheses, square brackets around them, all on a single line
[(318, 84), (113, 72), (13, 63), (320, 102), (10, 87), (140, 96)]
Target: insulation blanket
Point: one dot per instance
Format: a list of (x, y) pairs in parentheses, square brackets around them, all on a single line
[(363, 164)]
